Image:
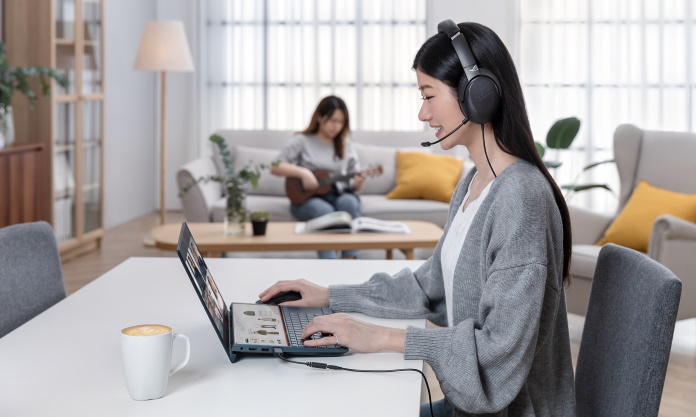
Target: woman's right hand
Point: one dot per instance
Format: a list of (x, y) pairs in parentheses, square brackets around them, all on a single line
[(309, 181), (313, 295)]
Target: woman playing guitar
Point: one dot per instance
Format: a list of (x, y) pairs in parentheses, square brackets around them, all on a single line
[(324, 146)]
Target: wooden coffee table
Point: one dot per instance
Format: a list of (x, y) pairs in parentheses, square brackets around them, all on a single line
[(280, 236)]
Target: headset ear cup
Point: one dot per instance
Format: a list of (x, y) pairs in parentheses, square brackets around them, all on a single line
[(482, 97), (461, 94)]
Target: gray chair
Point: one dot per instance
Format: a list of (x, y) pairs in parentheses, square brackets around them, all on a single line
[(627, 336), (31, 279), (665, 160)]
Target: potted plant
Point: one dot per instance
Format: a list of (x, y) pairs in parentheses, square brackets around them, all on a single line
[(259, 220), (18, 79), (235, 184), (561, 136)]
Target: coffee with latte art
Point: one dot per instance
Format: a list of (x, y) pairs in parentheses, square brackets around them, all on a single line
[(146, 330)]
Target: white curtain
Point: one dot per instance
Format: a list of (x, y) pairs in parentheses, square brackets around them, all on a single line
[(268, 63), (606, 62)]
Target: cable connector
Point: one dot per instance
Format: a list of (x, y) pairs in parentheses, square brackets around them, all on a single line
[(320, 365)]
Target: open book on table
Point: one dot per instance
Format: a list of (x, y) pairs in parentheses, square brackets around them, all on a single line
[(342, 222)]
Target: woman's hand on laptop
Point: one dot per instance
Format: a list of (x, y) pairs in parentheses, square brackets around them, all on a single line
[(345, 330), (313, 295)]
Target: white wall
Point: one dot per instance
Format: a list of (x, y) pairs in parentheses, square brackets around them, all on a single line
[(181, 110), (129, 119), (132, 98), (132, 106), (499, 15)]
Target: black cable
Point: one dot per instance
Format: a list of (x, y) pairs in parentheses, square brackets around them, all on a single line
[(320, 365), (483, 137)]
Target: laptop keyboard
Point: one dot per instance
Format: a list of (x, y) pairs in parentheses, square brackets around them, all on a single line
[(295, 322)]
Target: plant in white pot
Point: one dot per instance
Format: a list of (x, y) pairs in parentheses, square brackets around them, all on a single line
[(19, 79), (235, 184)]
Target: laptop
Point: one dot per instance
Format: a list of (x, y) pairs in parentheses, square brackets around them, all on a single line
[(248, 328)]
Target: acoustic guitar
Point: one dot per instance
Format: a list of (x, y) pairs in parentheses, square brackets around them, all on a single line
[(298, 195)]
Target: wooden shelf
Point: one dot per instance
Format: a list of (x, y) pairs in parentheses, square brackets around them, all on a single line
[(31, 30), (69, 147), (65, 42), (92, 97), (91, 187), (91, 144), (65, 98), (59, 195)]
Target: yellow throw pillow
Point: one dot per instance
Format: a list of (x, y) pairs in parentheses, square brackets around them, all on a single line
[(427, 176), (632, 226)]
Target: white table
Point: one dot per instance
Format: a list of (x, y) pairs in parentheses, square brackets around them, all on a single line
[(66, 361)]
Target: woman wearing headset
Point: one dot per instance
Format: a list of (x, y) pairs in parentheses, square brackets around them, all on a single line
[(495, 280), (324, 145)]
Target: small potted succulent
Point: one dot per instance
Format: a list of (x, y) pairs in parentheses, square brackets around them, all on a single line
[(259, 220)]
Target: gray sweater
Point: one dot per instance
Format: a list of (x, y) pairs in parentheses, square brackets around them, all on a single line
[(310, 152), (509, 352)]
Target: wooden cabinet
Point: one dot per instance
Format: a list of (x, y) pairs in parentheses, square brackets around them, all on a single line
[(22, 191), (66, 35)]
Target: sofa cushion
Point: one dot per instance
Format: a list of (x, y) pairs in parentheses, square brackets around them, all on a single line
[(371, 156), (633, 225), (269, 184), (431, 177), (584, 261)]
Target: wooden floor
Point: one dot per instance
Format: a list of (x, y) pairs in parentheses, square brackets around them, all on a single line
[(122, 242)]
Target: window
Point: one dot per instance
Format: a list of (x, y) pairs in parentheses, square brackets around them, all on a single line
[(268, 63), (606, 62)]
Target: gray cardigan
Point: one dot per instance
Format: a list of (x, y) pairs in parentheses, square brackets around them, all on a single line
[(509, 353)]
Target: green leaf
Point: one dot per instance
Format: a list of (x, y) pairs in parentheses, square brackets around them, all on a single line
[(597, 164), (562, 133), (17, 79), (233, 182), (552, 164), (584, 187), (540, 148)]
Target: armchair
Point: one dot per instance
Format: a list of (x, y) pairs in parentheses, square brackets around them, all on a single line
[(665, 159)]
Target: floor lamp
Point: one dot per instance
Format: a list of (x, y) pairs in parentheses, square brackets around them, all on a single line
[(163, 47)]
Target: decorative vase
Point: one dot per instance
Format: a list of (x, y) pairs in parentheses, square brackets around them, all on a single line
[(235, 212), (7, 135), (258, 227)]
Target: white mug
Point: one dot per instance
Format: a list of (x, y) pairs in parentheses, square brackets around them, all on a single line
[(146, 353)]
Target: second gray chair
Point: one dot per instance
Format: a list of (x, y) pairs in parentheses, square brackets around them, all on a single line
[(30, 273), (627, 336)]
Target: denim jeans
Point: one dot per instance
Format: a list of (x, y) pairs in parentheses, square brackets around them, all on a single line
[(441, 408), (324, 204)]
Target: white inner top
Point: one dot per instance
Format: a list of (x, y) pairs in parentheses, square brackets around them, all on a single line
[(452, 247)]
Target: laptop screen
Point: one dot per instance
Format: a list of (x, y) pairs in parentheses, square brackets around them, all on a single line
[(204, 284)]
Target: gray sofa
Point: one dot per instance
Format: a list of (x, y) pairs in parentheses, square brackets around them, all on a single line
[(665, 160), (205, 202)]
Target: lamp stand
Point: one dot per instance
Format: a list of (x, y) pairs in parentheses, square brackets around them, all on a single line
[(163, 117)]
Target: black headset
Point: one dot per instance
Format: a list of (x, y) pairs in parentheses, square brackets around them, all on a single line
[(479, 91)]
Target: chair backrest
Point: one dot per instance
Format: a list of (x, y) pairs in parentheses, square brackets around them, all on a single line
[(30, 273), (664, 159), (627, 336)]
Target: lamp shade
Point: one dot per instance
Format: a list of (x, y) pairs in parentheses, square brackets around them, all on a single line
[(163, 47)]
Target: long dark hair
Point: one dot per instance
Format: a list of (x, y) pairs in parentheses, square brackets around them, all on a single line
[(325, 109), (513, 133)]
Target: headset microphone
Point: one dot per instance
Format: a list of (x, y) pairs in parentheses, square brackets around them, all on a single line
[(427, 144)]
